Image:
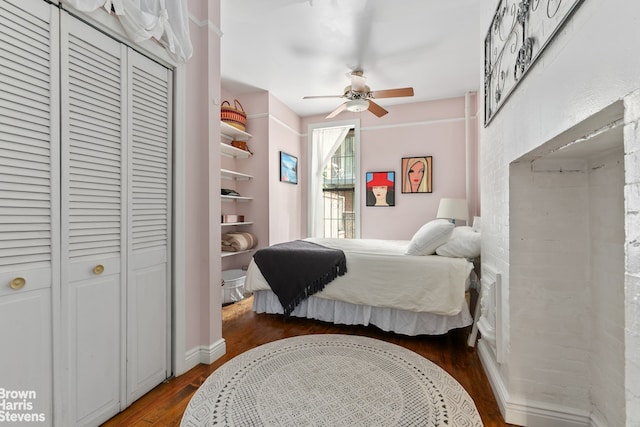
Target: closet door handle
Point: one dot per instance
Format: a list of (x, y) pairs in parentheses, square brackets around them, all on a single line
[(98, 269), (17, 283)]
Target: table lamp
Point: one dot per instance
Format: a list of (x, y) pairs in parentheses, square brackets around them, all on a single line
[(453, 209)]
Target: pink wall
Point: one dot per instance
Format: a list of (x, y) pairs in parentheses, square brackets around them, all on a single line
[(285, 199), (434, 128), (202, 156)]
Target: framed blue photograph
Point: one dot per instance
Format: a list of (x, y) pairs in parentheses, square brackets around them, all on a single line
[(288, 168)]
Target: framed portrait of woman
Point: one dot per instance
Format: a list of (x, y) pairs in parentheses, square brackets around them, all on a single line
[(381, 188), (417, 174)]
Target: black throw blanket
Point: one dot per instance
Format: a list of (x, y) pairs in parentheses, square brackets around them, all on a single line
[(297, 269)]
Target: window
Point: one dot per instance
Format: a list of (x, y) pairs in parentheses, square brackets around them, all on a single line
[(338, 187), (334, 195)]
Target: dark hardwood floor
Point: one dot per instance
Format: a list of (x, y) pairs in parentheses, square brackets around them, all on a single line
[(242, 329)]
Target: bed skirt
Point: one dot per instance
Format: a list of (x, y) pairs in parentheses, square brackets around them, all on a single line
[(387, 319)]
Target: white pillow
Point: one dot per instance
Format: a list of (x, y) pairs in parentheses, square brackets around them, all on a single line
[(430, 236), (464, 243)]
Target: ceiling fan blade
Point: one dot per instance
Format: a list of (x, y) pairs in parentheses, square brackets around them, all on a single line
[(376, 109), (392, 93), (337, 111), (322, 96)]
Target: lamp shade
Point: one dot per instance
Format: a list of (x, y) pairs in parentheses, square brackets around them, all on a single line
[(357, 105), (453, 209)]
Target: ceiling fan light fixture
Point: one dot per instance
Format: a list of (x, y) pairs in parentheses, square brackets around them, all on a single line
[(357, 105)]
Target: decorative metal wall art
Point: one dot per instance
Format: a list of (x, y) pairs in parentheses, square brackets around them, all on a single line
[(519, 32)]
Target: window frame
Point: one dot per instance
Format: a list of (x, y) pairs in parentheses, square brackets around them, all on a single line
[(355, 125)]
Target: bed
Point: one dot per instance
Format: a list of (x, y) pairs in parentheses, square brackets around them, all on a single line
[(384, 286)]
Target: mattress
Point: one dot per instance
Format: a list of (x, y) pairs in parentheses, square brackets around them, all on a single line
[(381, 275)]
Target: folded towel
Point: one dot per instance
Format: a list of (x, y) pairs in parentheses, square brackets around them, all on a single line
[(238, 241)]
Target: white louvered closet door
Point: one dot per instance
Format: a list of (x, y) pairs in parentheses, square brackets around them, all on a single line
[(29, 193), (149, 138), (116, 221), (93, 255)]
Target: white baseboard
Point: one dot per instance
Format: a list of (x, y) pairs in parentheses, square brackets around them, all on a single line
[(542, 414), (527, 413), (191, 358), (206, 355), (493, 374)]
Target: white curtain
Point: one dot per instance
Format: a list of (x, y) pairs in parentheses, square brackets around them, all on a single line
[(167, 21), (324, 142)]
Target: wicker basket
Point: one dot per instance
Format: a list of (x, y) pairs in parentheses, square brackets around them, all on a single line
[(234, 116)]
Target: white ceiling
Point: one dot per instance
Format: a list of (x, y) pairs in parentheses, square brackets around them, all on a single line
[(294, 48)]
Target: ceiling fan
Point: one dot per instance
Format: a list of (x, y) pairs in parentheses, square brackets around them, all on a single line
[(360, 96)]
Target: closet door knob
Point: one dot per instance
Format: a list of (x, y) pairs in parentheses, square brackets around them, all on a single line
[(17, 283), (98, 269)]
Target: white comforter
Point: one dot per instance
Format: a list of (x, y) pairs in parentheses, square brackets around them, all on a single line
[(379, 274)]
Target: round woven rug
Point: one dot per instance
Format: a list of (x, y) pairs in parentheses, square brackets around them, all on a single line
[(330, 380)]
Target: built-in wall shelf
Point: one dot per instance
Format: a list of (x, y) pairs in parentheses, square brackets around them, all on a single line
[(232, 133), (236, 198), (235, 156), (231, 151), (238, 176), (228, 224), (225, 254)]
